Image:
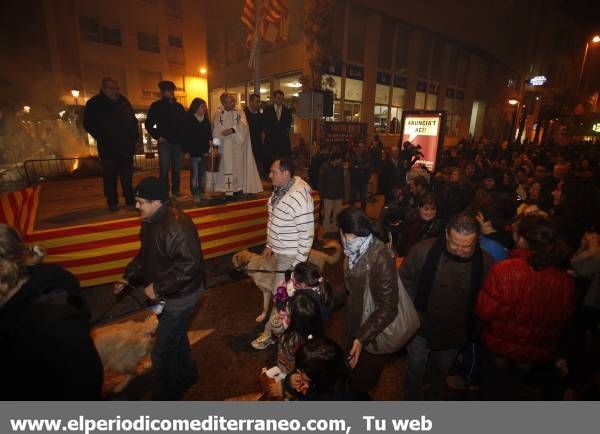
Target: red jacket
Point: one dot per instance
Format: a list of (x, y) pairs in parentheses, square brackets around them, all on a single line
[(524, 311)]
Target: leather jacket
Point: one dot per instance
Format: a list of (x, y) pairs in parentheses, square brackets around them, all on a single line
[(376, 268), (170, 254)]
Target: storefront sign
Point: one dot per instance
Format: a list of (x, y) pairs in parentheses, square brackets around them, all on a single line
[(337, 133), (538, 80), (424, 128)]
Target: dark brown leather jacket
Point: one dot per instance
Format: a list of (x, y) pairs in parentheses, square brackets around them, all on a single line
[(170, 254), (376, 268)]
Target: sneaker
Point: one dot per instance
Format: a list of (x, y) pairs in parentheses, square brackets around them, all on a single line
[(262, 341)]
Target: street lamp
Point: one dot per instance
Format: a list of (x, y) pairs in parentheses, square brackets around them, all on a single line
[(26, 108), (595, 39), (202, 71)]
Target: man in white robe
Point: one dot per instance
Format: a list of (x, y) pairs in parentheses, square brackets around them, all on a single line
[(237, 171)]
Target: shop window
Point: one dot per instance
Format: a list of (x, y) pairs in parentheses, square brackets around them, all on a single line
[(351, 112), (354, 90), (380, 118), (395, 119)]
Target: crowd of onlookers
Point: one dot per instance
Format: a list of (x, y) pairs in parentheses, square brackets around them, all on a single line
[(498, 251), (532, 319)]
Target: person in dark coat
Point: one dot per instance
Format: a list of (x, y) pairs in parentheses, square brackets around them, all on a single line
[(255, 123), (196, 141), (316, 162), (170, 266), (47, 350), (331, 191), (165, 122), (371, 266), (108, 118), (277, 125), (391, 175)]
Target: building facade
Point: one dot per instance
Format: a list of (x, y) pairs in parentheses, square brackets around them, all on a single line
[(464, 57)]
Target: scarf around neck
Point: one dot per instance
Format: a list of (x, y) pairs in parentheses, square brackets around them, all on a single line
[(354, 249), (279, 192)]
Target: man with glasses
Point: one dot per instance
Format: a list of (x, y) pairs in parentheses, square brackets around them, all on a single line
[(109, 119)]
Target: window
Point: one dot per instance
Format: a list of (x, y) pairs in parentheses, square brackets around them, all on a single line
[(395, 118), (351, 112), (148, 42), (436, 60), (334, 84), (111, 36), (454, 106), (380, 118), (89, 28), (420, 95), (399, 91), (149, 81), (239, 92), (386, 43), (354, 83), (382, 88), (174, 8), (176, 41), (425, 55), (357, 29), (432, 96), (337, 112), (354, 90), (402, 43), (463, 69)]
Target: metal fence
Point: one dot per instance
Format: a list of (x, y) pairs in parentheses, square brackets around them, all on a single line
[(37, 171)]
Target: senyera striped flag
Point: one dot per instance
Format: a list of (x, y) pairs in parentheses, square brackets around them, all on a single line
[(97, 253), (18, 209)]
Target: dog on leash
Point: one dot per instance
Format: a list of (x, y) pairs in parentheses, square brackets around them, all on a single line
[(253, 265), (125, 347)]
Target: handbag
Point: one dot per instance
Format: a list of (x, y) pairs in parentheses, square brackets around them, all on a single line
[(400, 330)]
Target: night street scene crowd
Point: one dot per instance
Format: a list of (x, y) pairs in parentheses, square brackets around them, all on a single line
[(498, 250)]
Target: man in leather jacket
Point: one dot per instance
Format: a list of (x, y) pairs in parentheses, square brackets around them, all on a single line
[(170, 266)]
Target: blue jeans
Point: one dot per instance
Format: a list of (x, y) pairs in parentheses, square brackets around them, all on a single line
[(173, 368), (197, 175), (420, 358), (170, 157)]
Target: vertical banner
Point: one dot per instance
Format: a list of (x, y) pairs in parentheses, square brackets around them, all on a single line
[(425, 129)]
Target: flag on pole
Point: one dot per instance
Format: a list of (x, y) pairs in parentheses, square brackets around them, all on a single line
[(248, 19), (272, 21), (18, 209), (275, 27)]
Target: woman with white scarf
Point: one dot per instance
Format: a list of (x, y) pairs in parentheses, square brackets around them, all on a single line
[(370, 263)]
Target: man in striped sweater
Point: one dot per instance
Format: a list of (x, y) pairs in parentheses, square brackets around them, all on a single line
[(290, 229)]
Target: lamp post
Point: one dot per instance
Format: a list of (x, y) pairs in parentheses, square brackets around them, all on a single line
[(595, 39), (513, 102)]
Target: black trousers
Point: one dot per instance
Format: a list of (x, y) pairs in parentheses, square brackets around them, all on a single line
[(118, 168)]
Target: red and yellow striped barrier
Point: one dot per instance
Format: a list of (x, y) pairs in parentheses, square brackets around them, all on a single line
[(97, 253)]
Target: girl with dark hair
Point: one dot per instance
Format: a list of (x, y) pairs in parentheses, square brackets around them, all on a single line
[(196, 141), (307, 275), (306, 323), (370, 264), (526, 303), (321, 372)]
